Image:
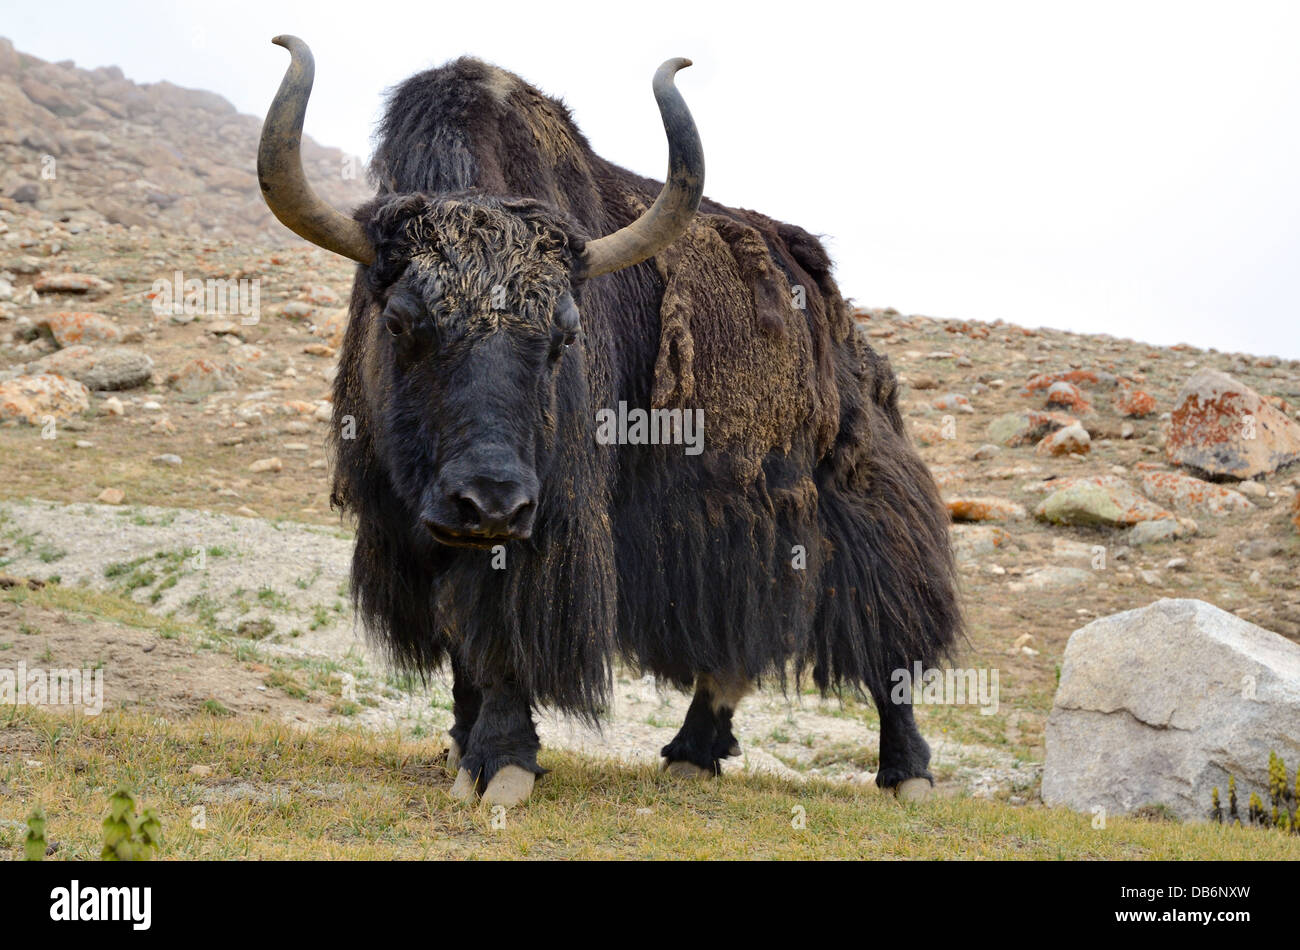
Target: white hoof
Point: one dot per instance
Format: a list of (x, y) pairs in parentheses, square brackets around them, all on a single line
[(453, 756), (683, 769), (914, 790), (463, 787), (510, 786)]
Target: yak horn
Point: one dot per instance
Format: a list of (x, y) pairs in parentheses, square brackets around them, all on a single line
[(671, 213), (279, 165)]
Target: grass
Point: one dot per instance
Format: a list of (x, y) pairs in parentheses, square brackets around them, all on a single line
[(277, 792)]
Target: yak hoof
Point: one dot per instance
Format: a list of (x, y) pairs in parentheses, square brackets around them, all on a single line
[(510, 786), (463, 787), (453, 756), (683, 769), (914, 790)]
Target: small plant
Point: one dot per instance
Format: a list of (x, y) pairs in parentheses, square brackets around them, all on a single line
[(214, 707), (35, 845), (1283, 797), (129, 836)]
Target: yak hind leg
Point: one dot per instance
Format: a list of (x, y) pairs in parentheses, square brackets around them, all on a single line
[(705, 738), (904, 754), (500, 754)]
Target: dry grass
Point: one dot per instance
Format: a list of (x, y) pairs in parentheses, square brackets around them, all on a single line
[(277, 792)]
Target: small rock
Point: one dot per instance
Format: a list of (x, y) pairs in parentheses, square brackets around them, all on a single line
[(984, 508), (111, 496), (1071, 440), (71, 284), (167, 459), (266, 465)]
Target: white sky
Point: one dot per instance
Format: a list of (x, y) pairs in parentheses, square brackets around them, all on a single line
[(1129, 168)]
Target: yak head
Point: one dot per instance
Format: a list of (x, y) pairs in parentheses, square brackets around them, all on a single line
[(469, 320), (468, 309)]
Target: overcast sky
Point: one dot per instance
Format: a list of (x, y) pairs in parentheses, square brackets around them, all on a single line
[(1128, 168)]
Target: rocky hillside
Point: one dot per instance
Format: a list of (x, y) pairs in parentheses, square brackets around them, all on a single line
[(1085, 475), (84, 147)]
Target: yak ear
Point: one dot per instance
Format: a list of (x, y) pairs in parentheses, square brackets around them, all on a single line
[(385, 221), (567, 317)]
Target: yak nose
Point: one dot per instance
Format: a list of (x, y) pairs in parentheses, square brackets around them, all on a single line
[(490, 508)]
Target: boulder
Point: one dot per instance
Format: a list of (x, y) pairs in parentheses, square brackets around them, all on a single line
[(70, 327), (1102, 500), (115, 367), (1183, 491), (31, 399), (1161, 704), (1222, 427)]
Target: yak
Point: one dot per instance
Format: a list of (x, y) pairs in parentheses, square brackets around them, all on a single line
[(513, 290)]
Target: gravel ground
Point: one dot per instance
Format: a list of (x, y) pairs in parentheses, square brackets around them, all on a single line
[(293, 576)]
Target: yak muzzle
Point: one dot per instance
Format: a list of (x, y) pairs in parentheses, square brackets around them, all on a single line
[(482, 511)]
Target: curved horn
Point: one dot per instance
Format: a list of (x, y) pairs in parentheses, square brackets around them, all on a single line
[(279, 165), (671, 213)]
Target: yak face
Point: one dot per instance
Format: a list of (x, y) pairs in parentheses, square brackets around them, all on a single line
[(471, 322)]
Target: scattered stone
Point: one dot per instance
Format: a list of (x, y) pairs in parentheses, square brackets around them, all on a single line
[(1256, 549), (1063, 395), (1252, 488), (971, 541), (34, 399), (1026, 427), (113, 368), (266, 465), (1071, 440), (1052, 578), (199, 377), (925, 433), (1222, 427), (167, 459), (953, 402), (986, 451), (1183, 491), (111, 496), (1100, 500), (1134, 403), (1158, 706), (984, 509), (1154, 531), (69, 327), (71, 284)]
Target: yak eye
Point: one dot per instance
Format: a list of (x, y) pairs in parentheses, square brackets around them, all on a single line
[(394, 326)]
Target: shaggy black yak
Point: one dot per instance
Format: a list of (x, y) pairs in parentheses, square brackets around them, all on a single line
[(577, 420)]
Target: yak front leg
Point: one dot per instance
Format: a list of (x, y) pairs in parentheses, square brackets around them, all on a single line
[(501, 756), (466, 699), (705, 738)]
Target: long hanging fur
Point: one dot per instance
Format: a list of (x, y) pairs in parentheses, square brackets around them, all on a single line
[(808, 535)]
